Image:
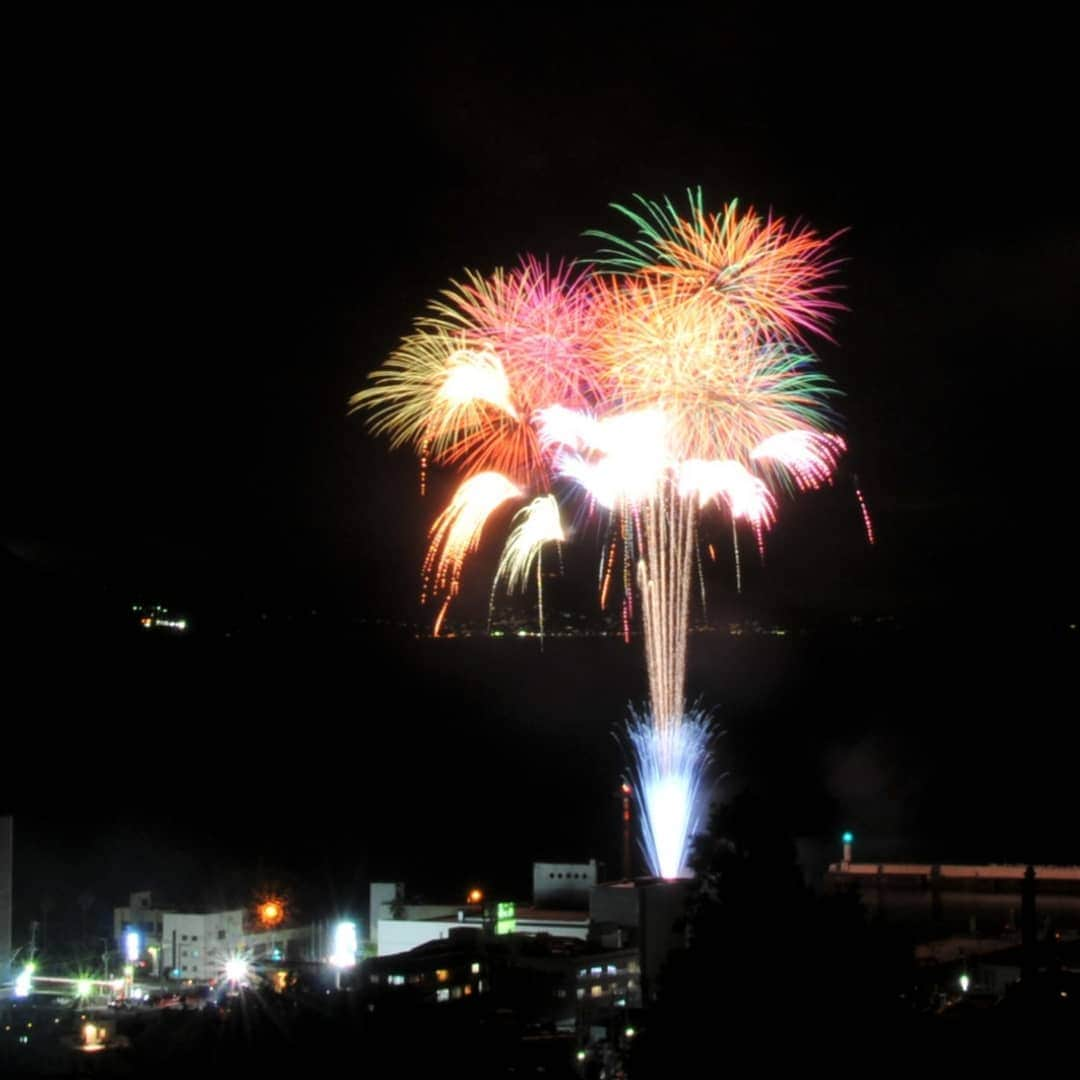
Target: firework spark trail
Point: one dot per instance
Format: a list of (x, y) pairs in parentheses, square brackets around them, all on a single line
[(735, 544), (670, 766), (665, 572), (810, 456), (537, 524), (868, 524), (762, 275), (456, 532)]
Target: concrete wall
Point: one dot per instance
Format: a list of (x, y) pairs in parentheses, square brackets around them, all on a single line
[(563, 885)]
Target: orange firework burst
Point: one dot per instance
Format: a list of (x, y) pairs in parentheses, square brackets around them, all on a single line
[(465, 384), (760, 273), (722, 389)]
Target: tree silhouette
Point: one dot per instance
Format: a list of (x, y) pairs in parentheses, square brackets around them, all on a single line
[(767, 955)]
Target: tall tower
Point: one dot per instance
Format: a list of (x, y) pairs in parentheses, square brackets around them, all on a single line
[(7, 846)]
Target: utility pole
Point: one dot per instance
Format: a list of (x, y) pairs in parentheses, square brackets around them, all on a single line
[(626, 792)]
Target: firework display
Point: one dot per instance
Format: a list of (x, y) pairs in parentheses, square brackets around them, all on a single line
[(672, 381)]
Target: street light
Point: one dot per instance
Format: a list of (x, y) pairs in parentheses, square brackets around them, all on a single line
[(24, 980), (345, 946)]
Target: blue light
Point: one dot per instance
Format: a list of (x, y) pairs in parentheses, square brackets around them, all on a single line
[(848, 838)]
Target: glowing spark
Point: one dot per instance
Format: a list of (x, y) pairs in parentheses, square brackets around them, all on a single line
[(810, 456), (867, 523), (456, 532), (622, 457), (760, 273), (475, 377), (746, 495), (670, 764), (537, 524)]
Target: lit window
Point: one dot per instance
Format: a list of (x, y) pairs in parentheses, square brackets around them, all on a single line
[(442, 974), (596, 990), (611, 969), (396, 980), (633, 966), (442, 994), (468, 990), (481, 986), (580, 992), (455, 993), (476, 967), (582, 972), (375, 979), (597, 970)]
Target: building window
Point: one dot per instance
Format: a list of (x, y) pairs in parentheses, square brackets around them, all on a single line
[(560, 992), (396, 980), (183, 937), (580, 992), (375, 979), (221, 935), (442, 974), (194, 937), (476, 967), (442, 994), (455, 993), (596, 990), (611, 969)]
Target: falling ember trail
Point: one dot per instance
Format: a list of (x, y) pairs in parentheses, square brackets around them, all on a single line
[(868, 525)]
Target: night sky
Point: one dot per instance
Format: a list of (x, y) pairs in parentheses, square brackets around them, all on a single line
[(219, 230)]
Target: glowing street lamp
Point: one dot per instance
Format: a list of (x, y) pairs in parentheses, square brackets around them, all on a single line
[(24, 980), (848, 839), (345, 946), (236, 969), (271, 913)]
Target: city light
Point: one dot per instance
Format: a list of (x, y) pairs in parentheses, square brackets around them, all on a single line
[(271, 912), (476, 896), (345, 945), (236, 969), (965, 982), (84, 988), (23, 981), (848, 838), (131, 946)]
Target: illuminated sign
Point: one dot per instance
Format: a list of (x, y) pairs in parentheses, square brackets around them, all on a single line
[(505, 917)]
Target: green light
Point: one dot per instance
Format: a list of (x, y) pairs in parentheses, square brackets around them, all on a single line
[(505, 917), (848, 838)]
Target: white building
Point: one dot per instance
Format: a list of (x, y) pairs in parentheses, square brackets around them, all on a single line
[(563, 885), (401, 935), (195, 946), (141, 916)]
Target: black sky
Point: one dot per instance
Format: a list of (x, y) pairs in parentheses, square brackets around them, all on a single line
[(219, 235), (215, 231)]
